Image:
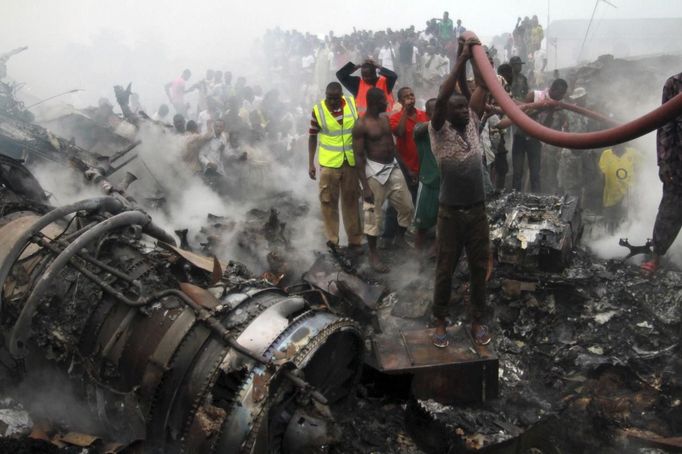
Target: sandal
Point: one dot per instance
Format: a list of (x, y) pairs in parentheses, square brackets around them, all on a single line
[(649, 267), (480, 333), (440, 340)]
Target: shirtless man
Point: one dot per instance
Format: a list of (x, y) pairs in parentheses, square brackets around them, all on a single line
[(379, 173)]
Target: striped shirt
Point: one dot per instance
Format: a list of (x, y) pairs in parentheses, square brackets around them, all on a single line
[(337, 113)]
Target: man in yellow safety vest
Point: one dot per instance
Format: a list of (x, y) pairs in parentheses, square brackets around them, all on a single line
[(331, 128)]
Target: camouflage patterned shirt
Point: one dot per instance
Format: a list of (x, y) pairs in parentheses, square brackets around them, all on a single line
[(669, 138)]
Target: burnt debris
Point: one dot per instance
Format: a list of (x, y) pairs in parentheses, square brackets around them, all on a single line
[(161, 349)]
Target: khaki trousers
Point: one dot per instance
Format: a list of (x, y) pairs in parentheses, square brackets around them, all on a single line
[(397, 193), (335, 184)]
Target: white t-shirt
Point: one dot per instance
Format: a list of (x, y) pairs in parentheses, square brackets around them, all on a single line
[(386, 57), (307, 62), (538, 57)]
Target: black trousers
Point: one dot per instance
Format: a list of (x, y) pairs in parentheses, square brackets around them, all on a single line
[(668, 219), (461, 230), (526, 146), (500, 168)]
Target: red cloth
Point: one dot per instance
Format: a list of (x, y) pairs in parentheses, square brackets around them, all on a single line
[(363, 88), (407, 149)]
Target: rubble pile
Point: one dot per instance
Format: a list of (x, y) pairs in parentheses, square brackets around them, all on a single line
[(532, 231), (589, 362)]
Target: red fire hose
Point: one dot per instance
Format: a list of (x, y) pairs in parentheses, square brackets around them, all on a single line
[(607, 137)]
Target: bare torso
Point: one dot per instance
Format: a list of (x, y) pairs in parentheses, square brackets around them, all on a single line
[(379, 144)]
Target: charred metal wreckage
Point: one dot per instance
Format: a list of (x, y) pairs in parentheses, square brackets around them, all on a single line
[(177, 352), (185, 356)]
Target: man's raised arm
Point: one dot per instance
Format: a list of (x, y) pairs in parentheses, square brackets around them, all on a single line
[(448, 87)]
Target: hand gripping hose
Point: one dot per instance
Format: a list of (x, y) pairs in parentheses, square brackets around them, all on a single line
[(598, 139)]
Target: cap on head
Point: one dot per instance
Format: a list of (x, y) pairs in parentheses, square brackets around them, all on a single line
[(516, 60), (578, 93)]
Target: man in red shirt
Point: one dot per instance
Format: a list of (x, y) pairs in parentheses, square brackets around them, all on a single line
[(402, 125)]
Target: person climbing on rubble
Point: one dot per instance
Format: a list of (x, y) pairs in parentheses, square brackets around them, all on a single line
[(176, 89), (330, 134), (380, 174), (179, 124), (462, 218), (213, 155), (669, 151), (161, 114)]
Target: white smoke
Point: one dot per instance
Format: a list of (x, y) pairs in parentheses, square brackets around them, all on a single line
[(644, 197)]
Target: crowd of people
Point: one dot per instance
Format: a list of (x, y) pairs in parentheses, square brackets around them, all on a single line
[(396, 132)]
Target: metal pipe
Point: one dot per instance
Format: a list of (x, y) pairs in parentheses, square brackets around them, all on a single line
[(607, 137), (45, 242), (160, 234), (21, 330), (109, 204)]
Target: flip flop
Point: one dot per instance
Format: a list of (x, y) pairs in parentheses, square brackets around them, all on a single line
[(480, 333), (440, 340), (649, 267)]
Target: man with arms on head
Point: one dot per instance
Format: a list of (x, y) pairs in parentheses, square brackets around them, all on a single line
[(462, 219), (379, 173), (669, 151), (358, 86), (331, 130)]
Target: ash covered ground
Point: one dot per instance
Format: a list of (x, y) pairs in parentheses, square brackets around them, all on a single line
[(589, 362)]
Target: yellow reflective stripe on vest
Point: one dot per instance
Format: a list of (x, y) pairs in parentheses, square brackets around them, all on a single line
[(335, 141)]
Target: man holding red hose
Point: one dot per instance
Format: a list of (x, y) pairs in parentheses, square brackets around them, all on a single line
[(669, 150), (462, 219)]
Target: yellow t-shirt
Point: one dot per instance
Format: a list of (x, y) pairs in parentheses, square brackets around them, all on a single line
[(619, 172)]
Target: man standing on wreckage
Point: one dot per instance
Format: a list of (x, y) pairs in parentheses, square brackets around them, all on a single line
[(669, 151), (462, 218)]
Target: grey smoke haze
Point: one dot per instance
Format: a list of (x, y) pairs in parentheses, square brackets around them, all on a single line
[(96, 44)]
